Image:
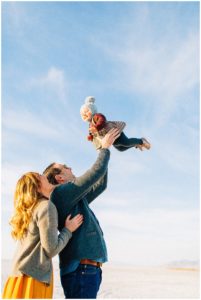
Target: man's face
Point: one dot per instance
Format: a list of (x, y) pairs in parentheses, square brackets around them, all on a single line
[(66, 174)]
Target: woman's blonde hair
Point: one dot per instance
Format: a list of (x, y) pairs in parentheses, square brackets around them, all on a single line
[(25, 198)]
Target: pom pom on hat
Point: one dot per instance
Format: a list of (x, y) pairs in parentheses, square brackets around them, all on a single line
[(89, 100), (89, 103)]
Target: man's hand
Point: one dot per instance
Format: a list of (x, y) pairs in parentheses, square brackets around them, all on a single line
[(110, 137)]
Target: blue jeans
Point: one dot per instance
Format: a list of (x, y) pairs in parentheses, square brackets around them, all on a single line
[(124, 143), (83, 283)]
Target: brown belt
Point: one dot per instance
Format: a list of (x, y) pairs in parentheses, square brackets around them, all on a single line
[(90, 262)]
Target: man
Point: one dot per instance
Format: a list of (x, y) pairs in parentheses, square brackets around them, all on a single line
[(81, 260)]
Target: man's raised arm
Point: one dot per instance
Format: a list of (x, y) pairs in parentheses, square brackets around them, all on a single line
[(70, 193)]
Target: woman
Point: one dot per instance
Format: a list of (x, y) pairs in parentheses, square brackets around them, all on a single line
[(34, 225)]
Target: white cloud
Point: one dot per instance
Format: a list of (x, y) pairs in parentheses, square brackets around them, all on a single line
[(128, 164), (152, 236), (174, 149), (155, 221), (53, 81), (161, 70), (27, 122), (16, 17)]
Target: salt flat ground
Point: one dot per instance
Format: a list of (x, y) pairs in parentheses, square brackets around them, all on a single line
[(136, 282), (158, 282)]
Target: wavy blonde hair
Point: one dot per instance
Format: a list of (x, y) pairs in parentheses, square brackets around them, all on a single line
[(25, 199)]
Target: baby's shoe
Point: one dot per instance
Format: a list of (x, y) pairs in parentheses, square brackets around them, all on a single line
[(145, 144), (139, 147)]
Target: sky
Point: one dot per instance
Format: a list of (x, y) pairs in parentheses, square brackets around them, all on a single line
[(140, 60)]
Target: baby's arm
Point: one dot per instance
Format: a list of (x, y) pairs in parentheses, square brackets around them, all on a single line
[(92, 129), (120, 125)]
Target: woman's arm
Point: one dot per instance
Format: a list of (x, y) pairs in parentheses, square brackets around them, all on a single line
[(47, 221)]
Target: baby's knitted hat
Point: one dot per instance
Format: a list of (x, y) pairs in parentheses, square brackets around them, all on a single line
[(89, 103)]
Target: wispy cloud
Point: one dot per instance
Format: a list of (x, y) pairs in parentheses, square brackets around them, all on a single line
[(130, 165), (53, 81), (180, 157), (161, 70), (152, 236), (25, 121), (16, 17), (155, 221)]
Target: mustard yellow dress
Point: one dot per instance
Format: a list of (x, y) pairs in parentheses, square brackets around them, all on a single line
[(25, 287)]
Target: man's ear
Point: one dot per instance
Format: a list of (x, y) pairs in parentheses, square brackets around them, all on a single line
[(58, 178)]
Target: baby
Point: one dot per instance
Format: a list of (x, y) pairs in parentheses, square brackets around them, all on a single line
[(99, 126)]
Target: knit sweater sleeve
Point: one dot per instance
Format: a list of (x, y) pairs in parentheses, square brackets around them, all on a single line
[(65, 196), (47, 221), (97, 188)]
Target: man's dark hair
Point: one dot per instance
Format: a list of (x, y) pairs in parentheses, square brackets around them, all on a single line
[(50, 173)]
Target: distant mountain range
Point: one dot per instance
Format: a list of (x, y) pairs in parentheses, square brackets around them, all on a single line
[(184, 264)]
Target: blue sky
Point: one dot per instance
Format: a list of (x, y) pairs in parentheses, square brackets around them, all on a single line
[(141, 62)]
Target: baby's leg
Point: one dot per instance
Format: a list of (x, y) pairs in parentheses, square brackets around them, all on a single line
[(123, 142), (120, 148)]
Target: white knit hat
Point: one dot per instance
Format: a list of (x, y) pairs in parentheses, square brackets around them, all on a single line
[(89, 103)]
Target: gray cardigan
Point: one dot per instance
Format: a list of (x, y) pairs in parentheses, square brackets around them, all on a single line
[(42, 242)]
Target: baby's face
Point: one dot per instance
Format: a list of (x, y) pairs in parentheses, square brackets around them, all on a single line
[(86, 114)]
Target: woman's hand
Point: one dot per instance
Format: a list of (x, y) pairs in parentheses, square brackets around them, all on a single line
[(74, 223)]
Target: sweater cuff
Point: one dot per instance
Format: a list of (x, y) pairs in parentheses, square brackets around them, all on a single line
[(66, 230), (104, 150)]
